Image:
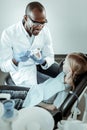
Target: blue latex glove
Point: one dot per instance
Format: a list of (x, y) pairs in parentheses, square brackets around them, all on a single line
[(23, 56), (37, 60)]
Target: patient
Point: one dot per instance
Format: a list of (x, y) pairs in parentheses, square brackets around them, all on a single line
[(53, 91)]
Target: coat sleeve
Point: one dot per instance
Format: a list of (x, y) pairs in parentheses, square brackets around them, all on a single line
[(6, 54)]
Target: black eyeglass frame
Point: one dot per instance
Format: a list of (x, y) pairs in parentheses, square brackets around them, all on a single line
[(36, 22)]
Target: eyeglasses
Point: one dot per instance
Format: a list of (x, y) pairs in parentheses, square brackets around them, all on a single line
[(38, 23)]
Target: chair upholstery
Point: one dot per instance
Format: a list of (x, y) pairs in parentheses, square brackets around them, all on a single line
[(17, 93)]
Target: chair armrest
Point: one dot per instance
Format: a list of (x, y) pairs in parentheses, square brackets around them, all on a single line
[(4, 96)]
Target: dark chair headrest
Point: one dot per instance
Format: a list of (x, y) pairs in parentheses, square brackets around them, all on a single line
[(61, 65)]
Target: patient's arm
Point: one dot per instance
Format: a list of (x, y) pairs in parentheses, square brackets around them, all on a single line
[(50, 107)]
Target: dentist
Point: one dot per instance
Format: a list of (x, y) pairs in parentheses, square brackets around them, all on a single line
[(25, 45)]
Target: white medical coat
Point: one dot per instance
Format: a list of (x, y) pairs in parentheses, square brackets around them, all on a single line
[(48, 89), (15, 40)]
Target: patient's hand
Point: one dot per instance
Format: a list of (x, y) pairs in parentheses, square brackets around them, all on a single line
[(50, 107)]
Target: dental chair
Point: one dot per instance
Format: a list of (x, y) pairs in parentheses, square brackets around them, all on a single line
[(70, 102)]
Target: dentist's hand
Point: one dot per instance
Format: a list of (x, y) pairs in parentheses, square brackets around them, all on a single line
[(22, 57), (37, 60)]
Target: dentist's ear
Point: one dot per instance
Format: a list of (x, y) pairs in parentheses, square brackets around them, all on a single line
[(25, 17)]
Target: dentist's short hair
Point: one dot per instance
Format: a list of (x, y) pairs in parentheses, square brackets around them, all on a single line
[(32, 6)]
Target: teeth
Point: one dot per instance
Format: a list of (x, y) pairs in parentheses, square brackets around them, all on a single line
[(36, 31)]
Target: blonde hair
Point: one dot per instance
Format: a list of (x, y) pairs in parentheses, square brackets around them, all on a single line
[(78, 65)]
